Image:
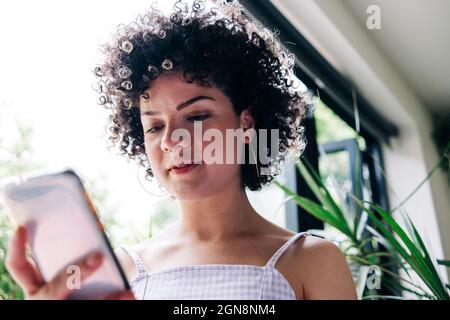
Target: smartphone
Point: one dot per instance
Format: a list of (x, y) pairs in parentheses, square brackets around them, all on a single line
[(63, 226)]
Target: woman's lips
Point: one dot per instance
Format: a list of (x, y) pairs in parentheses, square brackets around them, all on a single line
[(183, 169)]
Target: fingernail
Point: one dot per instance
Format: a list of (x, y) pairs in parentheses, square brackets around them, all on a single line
[(94, 260)]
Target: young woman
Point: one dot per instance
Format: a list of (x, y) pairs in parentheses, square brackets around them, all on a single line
[(211, 70)]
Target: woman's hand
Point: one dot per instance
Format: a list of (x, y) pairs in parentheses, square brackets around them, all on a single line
[(26, 274)]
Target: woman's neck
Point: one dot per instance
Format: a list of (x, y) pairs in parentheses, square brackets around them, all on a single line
[(219, 217)]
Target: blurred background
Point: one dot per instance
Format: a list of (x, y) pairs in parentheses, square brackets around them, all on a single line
[(379, 71)]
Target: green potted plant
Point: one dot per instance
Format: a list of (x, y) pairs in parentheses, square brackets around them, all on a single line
[(375, 240)]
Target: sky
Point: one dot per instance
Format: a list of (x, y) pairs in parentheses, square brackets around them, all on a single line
[(47, 53)]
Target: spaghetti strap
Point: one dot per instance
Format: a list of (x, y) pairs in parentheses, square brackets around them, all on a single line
[(273, 260), (136, 259)]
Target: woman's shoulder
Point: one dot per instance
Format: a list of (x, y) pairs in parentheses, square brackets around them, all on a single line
[(315, 251), (323, 270)]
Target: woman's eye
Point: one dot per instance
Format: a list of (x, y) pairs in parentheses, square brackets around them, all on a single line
[(199, 117), (154, 129)]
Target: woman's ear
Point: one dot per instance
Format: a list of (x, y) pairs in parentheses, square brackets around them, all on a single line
[(247, 122)]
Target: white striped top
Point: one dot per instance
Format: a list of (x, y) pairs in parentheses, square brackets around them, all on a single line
[(213, 281)]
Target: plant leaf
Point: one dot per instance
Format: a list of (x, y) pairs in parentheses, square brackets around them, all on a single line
[(313, 208), (321, 192), (444, 262), (418, 260)]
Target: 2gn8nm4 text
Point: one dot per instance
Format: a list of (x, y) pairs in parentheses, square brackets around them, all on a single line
[(239, 309)]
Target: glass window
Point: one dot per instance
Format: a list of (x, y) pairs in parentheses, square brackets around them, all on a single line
[(343, 161)]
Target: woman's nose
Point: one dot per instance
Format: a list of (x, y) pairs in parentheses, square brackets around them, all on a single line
[(175, 137), (167, 144)]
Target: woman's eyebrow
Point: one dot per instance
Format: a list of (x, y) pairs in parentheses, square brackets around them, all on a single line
[(181, 105)]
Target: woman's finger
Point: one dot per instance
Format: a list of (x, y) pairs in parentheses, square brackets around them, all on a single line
[(22, 270), (60, 288)]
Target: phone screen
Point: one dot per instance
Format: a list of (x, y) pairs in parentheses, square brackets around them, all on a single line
[(62, 226)]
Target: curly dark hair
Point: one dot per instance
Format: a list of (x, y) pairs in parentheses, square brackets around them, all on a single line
[(221, 46)]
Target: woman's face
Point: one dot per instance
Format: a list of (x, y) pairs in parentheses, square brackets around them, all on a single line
[(171, 104)]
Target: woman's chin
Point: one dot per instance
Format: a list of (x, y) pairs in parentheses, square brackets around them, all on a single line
[(191, 193), (198, 184)]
